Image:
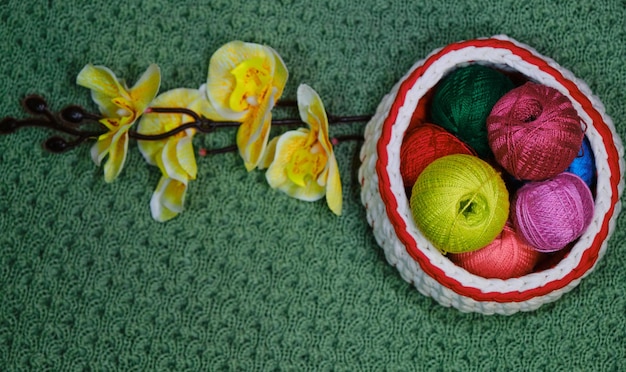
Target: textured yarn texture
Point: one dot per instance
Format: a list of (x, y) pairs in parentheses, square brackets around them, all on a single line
[(422, 145), (248, 278), (551, 214), (534, 132), (463, 100), (460, 203), (507, 256), (584, 165)]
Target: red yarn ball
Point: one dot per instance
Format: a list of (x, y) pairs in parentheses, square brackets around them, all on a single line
[(534, 132), (507, 256), (424, 144)]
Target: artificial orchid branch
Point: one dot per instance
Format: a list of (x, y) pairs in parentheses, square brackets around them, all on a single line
[(244, 85), (68, 119), (65, 121)]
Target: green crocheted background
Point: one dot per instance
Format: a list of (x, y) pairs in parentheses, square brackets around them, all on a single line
[(248, 278)]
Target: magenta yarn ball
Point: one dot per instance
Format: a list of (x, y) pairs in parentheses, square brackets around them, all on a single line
[(553, 213), (534, 132)]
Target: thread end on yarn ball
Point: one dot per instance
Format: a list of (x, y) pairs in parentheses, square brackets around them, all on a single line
[(460, 203)]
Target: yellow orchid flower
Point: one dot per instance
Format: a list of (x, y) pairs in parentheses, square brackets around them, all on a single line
[(173, 155), (245, 81), (120, 107), (301, 162)]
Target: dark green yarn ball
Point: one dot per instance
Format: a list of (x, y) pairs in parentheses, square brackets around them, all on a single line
[(463, 100)]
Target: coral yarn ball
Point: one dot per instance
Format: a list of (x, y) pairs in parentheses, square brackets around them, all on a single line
[(553, 213), (534, 132), (463, 100), (507, 256), (422, 145), (459, 203)]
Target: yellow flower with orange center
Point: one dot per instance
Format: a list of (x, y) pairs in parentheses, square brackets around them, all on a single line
[(120, 107), (245, 81), (301, 162), (173, 155)]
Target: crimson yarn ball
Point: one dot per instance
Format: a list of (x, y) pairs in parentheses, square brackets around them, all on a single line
[(553, 213), (534, 132), (507, 256), (422, 145)]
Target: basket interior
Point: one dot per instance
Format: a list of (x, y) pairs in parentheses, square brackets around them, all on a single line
[(422, 115)]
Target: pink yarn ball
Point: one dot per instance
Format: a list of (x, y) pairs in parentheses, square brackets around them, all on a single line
[(552, 213), (508, 256), (534, 132)]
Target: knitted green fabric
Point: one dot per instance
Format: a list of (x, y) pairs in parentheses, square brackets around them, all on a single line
[(247, 278)]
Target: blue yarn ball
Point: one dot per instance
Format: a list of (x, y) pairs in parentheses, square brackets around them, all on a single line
[(584, 165)]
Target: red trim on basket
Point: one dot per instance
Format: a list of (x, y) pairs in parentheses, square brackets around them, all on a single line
[(589, 256)]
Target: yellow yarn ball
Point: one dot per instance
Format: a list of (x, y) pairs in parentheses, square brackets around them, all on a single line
[(460, 203)]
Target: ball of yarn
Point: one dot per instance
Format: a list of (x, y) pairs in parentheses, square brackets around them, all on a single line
[(459, 203), (552, 213), (463, 100), (507, 256), (584, 165), (534, 132), (422, 145)]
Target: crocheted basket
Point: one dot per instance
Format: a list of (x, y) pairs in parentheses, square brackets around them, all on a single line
[(387, 205)]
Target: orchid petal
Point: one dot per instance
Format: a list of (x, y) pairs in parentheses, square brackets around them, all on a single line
[(150, 150), (117, 155), (170, 162), (306, 98), (100, 149), (253, 134), (310, 192), (203, 106), (268, 154), (312, 112), (281, 75), (186, 157), (167, 200), (146, 88), (173, 197), (112, 124), (305, 164), (100, 79), (333, 187)]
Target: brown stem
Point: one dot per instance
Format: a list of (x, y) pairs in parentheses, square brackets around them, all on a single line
[(70, 118)]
